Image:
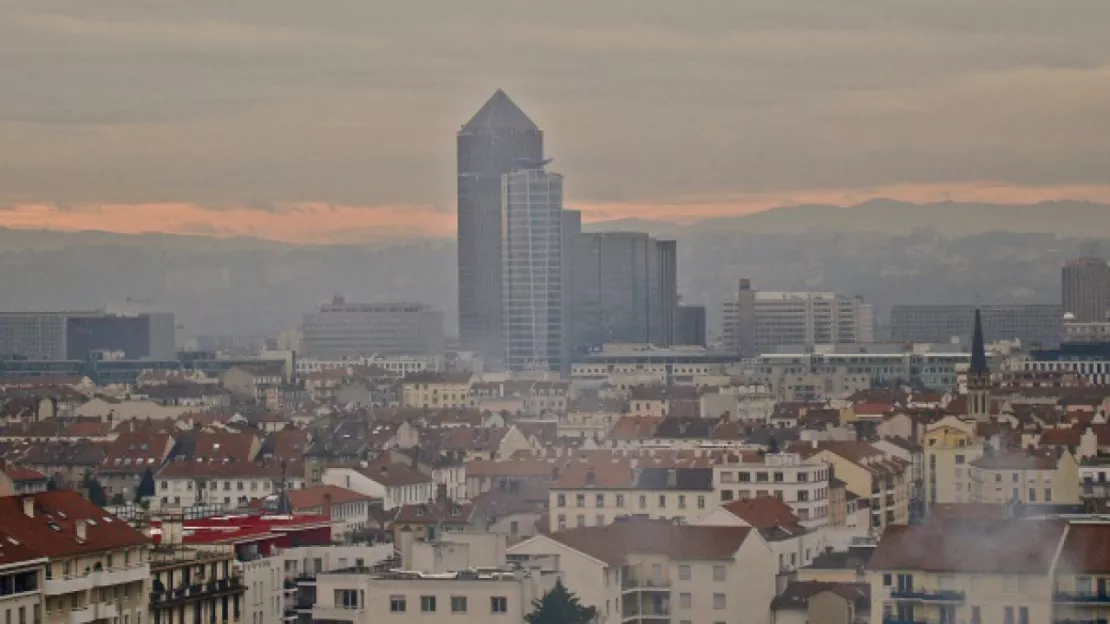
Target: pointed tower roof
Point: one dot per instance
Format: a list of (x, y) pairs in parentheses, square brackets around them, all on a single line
[(499, 113), (978, 348)]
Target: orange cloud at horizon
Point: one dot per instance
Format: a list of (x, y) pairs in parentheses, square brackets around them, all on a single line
[(320, 223)]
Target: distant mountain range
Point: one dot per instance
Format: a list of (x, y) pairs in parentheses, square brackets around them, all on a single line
[(889, 252)]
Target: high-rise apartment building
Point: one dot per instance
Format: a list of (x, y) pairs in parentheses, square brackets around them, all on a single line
[(1086, 289), (769, 320), (1032, 324), (624, 289), (75, 335), (690, 327), (532, 269), (343, 329), (493, 143)]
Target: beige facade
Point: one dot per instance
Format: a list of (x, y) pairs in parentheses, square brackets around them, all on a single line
[(587, 507), (884, 482), (950, 445), (801, 483), (661, 578), (1008, 476), (436, 391), (111, 585), (21, 581), (195, 582)]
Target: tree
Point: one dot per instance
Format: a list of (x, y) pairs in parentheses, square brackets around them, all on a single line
[(96, 493), (560, 606), (146, 487)]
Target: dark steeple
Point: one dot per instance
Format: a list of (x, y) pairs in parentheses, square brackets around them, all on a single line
[(978, 349), (500, 113)]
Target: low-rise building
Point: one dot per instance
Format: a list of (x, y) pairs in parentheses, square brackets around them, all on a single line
[(870, 474), (395, 484), (1030, 477), (643, 570), (193, 583), (597, 493), (802, 483), (436, 390), (794, 545)]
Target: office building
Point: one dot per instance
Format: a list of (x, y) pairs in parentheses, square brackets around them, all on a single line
[(690, 328), (490, 145), (1086, 289), (76, 335), (624, 290), (532, 270), (345, 329), (758, 322), (1031, 324)]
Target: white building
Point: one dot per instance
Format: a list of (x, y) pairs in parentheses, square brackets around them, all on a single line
[(394, 484), (796, 318), (636, 571), (803, 484)]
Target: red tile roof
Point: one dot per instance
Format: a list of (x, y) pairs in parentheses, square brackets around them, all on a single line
[(435, 513), (1086, 550), (314, 497), (634, 427), (765, 512), (393, 475), (1015, 546), (612, 543), (19, 473), (52, 529), (1016, 460)]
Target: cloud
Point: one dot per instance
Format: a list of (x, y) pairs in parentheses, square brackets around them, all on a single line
[(278, 103)]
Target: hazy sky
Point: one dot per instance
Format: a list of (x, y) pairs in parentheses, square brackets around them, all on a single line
[(335, 119)]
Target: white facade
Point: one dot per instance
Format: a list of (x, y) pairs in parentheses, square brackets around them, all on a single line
[(393, 495), (175, 493), (801, 484)]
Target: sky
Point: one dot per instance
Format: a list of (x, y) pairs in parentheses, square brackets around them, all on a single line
[(334, 121)]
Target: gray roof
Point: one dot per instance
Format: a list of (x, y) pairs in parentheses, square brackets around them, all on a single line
[(499, 113)]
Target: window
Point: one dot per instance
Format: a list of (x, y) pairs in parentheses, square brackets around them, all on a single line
[(726, 495), (701, 502), (662, 501), (683, 572), (976, 618), (580, 500), (599, 500), (620, 500), (745, 477), (397, 604), (1048, 495), (498, 604), (1014, 477), (643, 501), (886, 580), (561, 500), (428, 604), (562, 521), (599, 520), (998, 477), (959, 460), (580, 520), (1032, 495), (346, 598), (761, 477), (458, 604), (682, 501), (779, 477), (684, 601), (1008, 618), (718, 601), (1023, 615), (719, 573)]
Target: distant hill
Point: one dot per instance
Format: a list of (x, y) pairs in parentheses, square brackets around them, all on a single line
[(889, 252), (887, 216)]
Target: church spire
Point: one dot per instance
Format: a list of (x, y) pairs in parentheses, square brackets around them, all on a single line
[(978, 349)]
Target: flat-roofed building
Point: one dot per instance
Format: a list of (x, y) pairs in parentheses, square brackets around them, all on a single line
[(345, 329)]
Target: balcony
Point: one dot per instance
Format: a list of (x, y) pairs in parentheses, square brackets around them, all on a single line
[(1089, 597), (336, 613), (894, 619), (641, 584), (96, 578), (93, 612), (633, 612), (928, 595), (196, 591)]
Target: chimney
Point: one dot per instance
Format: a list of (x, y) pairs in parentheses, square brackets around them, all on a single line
[(29, 506), (82, 527)]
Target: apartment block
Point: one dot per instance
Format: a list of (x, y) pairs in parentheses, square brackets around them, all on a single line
[(1031, 323), (803, 484), (651, 571), (768, 321), (597, 494), (345, 329)]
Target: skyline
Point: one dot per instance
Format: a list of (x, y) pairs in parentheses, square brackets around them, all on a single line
[(224, 119)]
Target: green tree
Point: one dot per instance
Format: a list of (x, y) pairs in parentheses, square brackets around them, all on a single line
[(559, 606), (96, 493), (146, 487)]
